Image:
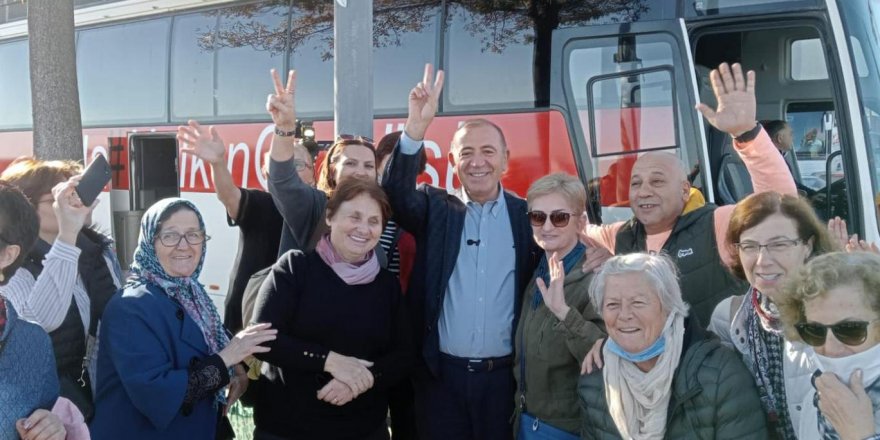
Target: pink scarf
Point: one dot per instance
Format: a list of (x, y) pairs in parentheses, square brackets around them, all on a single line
[(363, 272)]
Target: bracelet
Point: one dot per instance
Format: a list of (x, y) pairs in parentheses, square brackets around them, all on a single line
[(749, 135), (282, 133)]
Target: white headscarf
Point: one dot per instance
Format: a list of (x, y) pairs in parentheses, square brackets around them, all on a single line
[(637, 400)]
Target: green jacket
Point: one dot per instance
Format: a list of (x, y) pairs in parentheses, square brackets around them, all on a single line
[(554, 350), (713, 396)]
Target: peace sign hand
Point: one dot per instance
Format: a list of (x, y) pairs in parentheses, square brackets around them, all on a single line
[(423, 103), (280, 105), (735, 94)]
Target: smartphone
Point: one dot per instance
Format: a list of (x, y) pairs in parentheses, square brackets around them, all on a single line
[(93, 180)]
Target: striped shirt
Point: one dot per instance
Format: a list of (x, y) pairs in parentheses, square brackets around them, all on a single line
[(46, 299), (386, 240)]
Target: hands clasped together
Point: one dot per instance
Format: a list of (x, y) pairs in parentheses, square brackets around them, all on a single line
[(351, 378)]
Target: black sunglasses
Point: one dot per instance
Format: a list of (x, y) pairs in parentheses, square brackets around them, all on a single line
[(849, 332), (350, 138), (559, 219)]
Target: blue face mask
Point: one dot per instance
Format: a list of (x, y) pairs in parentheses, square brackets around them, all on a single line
[(656, 349)]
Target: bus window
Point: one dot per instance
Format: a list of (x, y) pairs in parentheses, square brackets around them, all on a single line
[(192, 67), (861, 22), (630, 105), (632, 112), (808, 60), (249, 41), (123, 71), (15, 85)]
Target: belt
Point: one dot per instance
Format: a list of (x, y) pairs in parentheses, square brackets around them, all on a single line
[(479, 365)]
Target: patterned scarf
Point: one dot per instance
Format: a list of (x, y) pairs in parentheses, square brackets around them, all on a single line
[(764, 359), (187, 291)]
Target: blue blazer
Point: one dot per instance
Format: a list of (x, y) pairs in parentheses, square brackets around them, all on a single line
[(436, 219), (147, 343)]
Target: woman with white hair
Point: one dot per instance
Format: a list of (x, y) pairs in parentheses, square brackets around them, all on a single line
[(664, 376)]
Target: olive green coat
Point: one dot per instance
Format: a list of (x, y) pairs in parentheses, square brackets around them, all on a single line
[(554, 350), (713, 396)]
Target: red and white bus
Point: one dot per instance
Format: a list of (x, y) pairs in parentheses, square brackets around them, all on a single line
[(577, 86)]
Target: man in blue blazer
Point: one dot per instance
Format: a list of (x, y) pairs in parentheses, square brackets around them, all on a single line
[(475, 255)]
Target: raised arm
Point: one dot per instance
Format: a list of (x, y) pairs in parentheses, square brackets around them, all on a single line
[(301, 205), (207, 145), (735, 116), (46, 299), (399, 181)]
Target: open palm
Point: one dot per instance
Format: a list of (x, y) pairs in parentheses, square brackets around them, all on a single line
[(735, 94), (201, 141)]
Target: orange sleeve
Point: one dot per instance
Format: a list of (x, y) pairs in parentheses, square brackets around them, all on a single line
[(604, 235)]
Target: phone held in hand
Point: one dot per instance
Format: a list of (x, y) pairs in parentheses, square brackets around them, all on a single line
[(93, 180)]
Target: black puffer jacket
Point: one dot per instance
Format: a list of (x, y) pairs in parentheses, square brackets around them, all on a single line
[(713, 396)]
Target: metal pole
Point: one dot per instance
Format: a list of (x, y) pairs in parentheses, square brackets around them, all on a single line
[(353, 66)]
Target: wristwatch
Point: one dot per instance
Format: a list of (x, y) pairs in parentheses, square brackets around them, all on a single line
[(282, 133), (747, 136)]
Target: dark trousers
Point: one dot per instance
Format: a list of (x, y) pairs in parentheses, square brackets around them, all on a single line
[(469, 401), (381, 434), (403, 412)]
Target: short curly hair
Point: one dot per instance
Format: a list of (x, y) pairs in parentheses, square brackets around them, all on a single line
[(822, 274), (19, 225), (754, 209)]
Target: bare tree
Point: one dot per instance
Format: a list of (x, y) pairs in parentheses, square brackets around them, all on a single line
[(54, 89)]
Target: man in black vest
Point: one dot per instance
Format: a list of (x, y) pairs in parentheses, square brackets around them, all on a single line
[(659, 190)]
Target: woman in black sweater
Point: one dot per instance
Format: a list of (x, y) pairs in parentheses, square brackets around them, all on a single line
[(342, 330)]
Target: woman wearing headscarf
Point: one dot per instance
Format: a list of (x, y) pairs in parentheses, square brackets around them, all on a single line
[(664, 376), (166, 358)]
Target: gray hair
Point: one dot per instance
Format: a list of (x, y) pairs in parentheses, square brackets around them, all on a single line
[(659, 270), (570, 187)]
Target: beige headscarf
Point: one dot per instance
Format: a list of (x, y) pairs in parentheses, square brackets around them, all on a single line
[(638, 400)]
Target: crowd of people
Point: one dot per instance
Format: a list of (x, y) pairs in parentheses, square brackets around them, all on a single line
[(472, 314)]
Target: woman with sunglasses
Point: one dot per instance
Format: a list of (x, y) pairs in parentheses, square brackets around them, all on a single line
[(771, 236), (833, 304), (558, 324)]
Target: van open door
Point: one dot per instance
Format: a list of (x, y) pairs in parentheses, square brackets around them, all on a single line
[(147, 172), (626, 89)]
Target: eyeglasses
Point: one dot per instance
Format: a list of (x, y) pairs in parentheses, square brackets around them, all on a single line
[(347, 139), (172, 239), (775, 247), (300, 165), (559, 219), (849, 332)]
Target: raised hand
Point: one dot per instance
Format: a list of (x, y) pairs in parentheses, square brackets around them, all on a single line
[(847, 408), (203, 142), (247, 342), (280, 105), (336, 393), (554, 294), (70, 211), (735, 94), (837, 233), (596, 254), (351, 371), (424, 100)]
